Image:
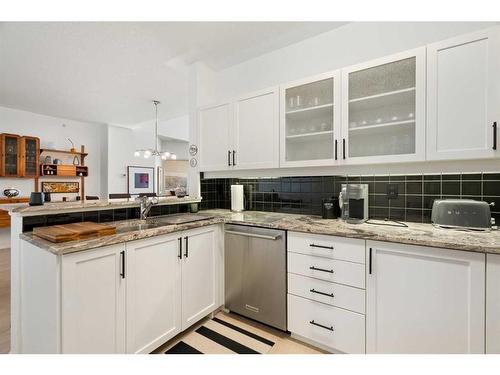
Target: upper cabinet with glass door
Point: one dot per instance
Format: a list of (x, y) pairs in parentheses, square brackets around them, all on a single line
[(310, 120), (383, 117)]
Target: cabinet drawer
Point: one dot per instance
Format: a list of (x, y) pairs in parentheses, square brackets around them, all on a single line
[(330, 326), (341, 248), (332, 294), (332, 270)]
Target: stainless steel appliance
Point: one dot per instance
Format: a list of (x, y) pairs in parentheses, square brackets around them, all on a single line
[(461, 214), (255, 273), (353, 201)]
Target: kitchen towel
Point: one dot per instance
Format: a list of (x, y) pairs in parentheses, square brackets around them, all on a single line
[(237, 198)]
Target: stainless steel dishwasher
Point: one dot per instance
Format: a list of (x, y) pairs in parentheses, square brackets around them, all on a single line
[(255, 273)]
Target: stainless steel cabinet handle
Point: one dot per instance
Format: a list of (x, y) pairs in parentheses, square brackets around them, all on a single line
[(322, 293), (370, 262), (253, 235), (234, 158), (343, 148), (321, 246), (228, 158), (186, 254), (321, 325), (336, 142), (320, 269)]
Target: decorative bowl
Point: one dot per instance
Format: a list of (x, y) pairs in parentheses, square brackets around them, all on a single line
[(11, 192)]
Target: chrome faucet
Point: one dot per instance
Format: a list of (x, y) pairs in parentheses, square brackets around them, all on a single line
[(146, 205)]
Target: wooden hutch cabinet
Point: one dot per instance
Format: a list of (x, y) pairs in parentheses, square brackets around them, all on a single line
[(19, 156)]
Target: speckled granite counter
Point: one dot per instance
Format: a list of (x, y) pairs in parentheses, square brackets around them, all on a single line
[(24, 209), (415, 234)]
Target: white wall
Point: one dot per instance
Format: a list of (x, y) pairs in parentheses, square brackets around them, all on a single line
[(55, 130), (179, 148), (350, 44), (122, 142)]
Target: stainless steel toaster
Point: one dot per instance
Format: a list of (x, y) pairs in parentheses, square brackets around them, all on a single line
[(461, 214)]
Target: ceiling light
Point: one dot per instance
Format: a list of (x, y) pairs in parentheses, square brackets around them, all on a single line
[(154, 151)]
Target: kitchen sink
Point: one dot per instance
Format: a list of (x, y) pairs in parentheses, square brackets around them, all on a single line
[(161, 221)]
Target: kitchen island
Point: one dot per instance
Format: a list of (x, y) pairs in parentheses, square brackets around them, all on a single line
[(142, 253)]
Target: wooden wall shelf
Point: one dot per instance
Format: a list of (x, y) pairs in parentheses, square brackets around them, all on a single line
[(64, 170), (63, 152)]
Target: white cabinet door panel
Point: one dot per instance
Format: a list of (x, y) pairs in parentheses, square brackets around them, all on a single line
[(199, 284), (214, 131), (335, 328), (463, 91), (333, 294), (424, 300), (337, 271), (93, 301), (350, 249), (153, 292), (383, 109), (493, 304), (256, 131)]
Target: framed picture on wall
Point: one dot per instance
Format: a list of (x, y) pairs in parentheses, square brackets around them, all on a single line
[(140, 180)]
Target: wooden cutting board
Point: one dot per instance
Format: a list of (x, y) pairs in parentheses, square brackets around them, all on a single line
[(75, 231)]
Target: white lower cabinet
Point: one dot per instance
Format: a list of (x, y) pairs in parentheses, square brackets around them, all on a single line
[(132, 298), (327, 325), (93, 301), (424, 300), (493, 304), (153, 292), (326, 295), (199, 295)]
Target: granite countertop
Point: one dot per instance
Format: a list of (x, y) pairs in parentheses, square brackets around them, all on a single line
[(414, 234), (24, 209)]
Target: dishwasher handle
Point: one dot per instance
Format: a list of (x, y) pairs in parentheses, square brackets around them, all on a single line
[(246, 234)]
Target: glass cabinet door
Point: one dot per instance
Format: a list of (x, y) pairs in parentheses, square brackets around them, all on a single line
[(308, 123), (30, 153), (383, 110), (10, 155)]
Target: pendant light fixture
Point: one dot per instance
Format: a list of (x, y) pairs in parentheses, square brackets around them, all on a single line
[(147, 153)]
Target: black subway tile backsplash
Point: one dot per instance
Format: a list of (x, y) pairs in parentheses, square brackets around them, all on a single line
[(101, 216), (303, 195)]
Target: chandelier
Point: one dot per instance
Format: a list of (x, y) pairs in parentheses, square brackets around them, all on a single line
[(147, 153)]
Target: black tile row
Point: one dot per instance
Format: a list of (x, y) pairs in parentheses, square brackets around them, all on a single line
[(100, 216), (415, 193)]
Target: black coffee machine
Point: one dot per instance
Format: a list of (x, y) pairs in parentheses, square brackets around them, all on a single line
[(330, 208)]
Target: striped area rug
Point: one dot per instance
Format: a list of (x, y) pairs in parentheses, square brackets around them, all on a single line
[(218, 336)]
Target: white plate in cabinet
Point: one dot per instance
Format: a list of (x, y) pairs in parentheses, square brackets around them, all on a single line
[(337, 271), (349, 249), (333, 294), (335, 328)]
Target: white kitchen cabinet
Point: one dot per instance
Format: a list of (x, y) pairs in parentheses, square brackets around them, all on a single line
[(310, 121), (256, 130), (214, 132), (153, 292), (199, 283), (424, 300), (93, 301), (383, 109), (241, 133), (463, 92), (493, 304)]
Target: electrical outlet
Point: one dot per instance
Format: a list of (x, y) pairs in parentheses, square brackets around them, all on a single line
[(392, 191)]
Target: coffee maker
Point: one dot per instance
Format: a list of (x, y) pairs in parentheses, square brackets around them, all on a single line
[(353, 201)]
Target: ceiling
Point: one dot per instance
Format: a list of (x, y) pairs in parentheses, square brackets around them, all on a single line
[(109, 72)]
